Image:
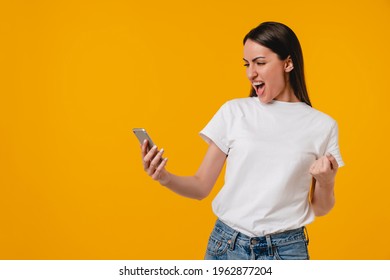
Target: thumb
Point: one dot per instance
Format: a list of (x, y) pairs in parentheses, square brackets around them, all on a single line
[(332, 160)]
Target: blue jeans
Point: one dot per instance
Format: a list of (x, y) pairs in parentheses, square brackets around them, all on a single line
[(226, 243)]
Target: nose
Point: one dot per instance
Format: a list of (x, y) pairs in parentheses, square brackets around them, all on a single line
[(251, 72)]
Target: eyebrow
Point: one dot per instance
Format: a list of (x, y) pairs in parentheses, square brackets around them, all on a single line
[(256, 58)]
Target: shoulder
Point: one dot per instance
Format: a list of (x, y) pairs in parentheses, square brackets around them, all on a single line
[(321, 115), (321, 118)]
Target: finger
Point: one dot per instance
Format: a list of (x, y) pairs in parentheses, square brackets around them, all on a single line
[(159, 169), (326, 165), (313, 167), (149, 156), (157, 159), (333, 161), (144, 148), (319, 166), (155, 162)]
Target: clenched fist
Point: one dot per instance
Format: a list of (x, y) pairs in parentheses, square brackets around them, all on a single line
[(324, 170)]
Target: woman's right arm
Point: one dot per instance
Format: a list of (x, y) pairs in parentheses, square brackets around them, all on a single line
[(197, 186)]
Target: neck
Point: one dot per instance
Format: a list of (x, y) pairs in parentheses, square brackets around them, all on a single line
[(287, 95)]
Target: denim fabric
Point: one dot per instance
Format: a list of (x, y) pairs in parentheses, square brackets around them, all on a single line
[(226, 243)]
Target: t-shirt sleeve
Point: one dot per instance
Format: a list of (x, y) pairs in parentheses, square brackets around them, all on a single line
[(217, 129), (333, 145)]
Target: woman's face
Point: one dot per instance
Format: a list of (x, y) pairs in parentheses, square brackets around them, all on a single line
[(268, 74)]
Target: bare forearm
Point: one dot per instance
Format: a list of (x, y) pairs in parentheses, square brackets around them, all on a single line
[(323, 199), (323, 171), (188, 186), (197, 186)]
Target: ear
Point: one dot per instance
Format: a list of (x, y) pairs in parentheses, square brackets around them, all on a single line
[(288, 65)]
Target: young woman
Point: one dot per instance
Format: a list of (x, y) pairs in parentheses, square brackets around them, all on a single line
[(276, 146)]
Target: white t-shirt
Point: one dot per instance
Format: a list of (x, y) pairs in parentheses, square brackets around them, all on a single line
[(270, 149)]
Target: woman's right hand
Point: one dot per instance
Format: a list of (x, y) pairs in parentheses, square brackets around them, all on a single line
[(154, 163)]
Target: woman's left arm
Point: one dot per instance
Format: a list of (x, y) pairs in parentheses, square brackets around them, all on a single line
[(324, 172)]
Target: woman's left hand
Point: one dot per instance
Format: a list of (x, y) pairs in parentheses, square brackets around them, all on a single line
[(324, 170)]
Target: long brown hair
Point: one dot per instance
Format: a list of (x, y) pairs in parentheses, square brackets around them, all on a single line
[(282, 40)]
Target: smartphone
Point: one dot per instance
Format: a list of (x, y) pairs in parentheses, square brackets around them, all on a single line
[(141, 134)]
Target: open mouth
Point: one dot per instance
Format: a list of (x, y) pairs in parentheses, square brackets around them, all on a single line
[(258, 85)]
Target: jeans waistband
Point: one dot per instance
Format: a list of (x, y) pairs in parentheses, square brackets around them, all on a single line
[(269, 240)]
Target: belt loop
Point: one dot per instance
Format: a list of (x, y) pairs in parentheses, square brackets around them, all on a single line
[(306, 233), (232, 241), (269, 245)]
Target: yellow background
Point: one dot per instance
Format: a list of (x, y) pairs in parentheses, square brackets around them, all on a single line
[(76, 76)]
